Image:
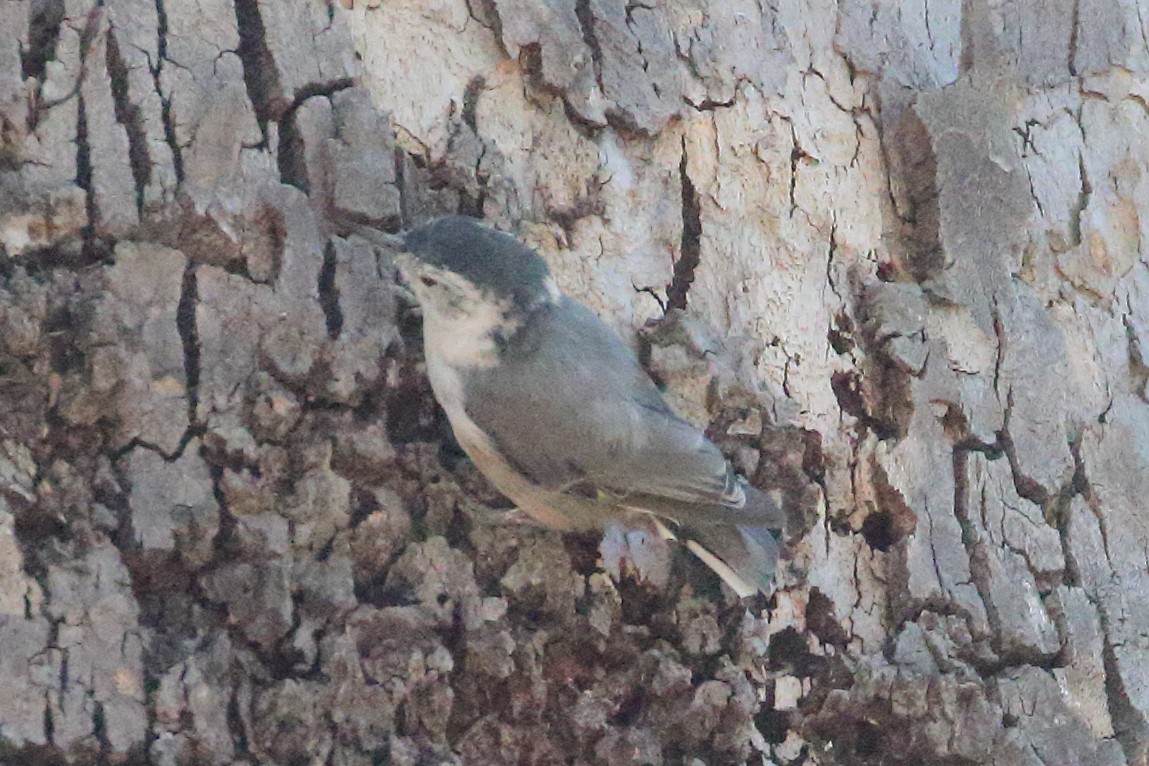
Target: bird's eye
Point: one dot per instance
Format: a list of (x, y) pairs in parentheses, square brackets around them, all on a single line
[(428, 281)]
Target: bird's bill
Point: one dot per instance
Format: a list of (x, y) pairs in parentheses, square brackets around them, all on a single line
[(405, 271)]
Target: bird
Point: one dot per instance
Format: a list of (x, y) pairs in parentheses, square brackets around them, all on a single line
[(556, 411)]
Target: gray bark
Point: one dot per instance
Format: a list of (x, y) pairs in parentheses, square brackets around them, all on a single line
[(892, 255)]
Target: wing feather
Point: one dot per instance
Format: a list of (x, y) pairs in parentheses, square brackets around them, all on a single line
[(569, 403)]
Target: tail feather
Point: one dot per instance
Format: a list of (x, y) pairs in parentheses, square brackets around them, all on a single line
[(744, 557), (739, 544)]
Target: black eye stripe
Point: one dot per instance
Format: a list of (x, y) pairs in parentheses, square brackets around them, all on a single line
[(428, 281)]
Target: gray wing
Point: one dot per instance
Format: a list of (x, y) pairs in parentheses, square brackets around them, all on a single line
[(569, 404)]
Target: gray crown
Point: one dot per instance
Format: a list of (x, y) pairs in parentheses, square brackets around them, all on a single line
[(492, 260)]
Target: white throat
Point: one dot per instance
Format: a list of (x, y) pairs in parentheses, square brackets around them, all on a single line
[(466, 341), (454, 347)]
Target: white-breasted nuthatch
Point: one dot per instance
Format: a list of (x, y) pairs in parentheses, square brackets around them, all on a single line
[(557, 412)]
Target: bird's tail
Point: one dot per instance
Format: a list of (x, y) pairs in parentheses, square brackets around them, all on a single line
[(744, 557), (740, 545)]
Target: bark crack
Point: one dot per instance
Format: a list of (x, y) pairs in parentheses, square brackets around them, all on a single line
[(401, 185), (710, 105), (1081, 483), (944, 592), (585, 17), (100, 725), (1061, 513), (999, 352), (326, 88), (1075, 20), (1012, 652), (84, 181), (189, 337), (1083, 197), (1026, 486), (128, 115), (832, 249), (329, 293), (260, 75), (797, 156), (49, 720), (467, 204), (929, 29), (166, 117), (471, 101), (691, 245), (236, 726), (87, 36), (292, 159), (1129, 726), (44, 23)]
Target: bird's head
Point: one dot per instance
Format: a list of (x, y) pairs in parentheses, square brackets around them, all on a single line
[(477, 287), (460, 269)]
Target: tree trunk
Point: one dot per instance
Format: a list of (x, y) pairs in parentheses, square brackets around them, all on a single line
[(892, 255)]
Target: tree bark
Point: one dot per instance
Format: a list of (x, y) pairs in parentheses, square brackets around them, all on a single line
[(892, 255)]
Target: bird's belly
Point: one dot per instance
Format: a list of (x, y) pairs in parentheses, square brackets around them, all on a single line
[(536, 501), (448, 388)]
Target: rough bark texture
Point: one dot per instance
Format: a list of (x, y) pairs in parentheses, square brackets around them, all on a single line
[(234, 527)]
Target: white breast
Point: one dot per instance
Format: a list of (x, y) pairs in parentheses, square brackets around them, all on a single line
[(451, 350), (453, 347)]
